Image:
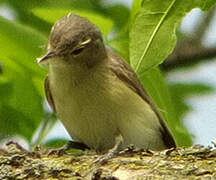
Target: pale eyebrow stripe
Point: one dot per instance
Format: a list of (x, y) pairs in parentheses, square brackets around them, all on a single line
[(86, 42)]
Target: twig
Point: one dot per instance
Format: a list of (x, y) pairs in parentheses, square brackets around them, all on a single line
[(188, 57)]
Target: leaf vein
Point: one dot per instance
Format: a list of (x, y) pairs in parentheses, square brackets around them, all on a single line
[(153, 34)]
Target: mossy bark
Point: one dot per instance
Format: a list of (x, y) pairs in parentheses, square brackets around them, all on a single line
[(195, 162)]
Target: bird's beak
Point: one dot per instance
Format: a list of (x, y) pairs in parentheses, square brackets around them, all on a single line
[(48, 55)]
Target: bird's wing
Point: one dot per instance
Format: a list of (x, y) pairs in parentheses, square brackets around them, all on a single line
[(49, 94), (125, 73)]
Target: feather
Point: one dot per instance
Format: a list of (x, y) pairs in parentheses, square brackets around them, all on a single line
[(48, 94)]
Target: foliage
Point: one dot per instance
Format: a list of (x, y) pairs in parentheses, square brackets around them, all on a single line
[(153, 27), (143, 35), (21, 80)]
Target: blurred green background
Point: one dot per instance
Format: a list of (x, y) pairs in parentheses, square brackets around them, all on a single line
[(143, 32)]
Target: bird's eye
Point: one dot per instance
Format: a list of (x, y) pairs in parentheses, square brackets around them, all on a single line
[(77, 51)]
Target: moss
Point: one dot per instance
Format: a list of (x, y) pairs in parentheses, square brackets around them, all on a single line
[(196, 162)]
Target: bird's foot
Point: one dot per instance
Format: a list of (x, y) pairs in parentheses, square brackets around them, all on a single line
[(105, 158), (111, 153)]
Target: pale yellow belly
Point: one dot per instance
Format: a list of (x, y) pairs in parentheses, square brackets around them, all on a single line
[(95, 115), (88, 117)]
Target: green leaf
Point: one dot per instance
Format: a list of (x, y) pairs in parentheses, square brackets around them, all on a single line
[(180, 91), (22, 45), (120, 20), (53, 14), (185, 89), (21, 108), (207, 4), (55, 143), (61, 143), (135, 8), (152, 35), (157, 88), (120, 44)]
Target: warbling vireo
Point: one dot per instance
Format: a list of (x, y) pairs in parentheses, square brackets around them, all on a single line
[(96, 94)]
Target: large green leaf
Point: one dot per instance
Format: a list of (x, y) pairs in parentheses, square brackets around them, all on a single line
[(21, 45), (152, 35), (21, 108), (23, 10), (53, 14)]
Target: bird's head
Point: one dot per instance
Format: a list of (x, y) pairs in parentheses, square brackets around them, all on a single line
[(74, 39)]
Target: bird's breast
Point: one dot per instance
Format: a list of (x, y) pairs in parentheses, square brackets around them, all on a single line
[(86, 110)]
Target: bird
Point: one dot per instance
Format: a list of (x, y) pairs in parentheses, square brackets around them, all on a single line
[(96, 94)]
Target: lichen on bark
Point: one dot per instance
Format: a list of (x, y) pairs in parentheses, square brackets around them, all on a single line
[(197, 162)]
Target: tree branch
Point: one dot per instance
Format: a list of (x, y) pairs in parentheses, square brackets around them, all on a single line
[(196, 162), (188, 56)]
